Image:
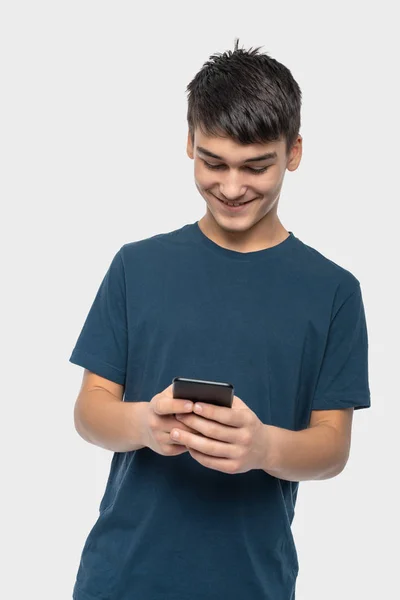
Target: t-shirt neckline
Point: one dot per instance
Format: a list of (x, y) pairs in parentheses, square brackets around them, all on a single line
[(256, 255)]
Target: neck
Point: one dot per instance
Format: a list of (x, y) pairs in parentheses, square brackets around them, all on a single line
[(264, 234)]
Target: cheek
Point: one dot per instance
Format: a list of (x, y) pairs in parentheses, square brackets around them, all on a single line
[(205, 178), (204, 181), (269, 185)]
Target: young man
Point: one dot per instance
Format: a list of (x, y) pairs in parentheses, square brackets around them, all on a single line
[(234, 297)]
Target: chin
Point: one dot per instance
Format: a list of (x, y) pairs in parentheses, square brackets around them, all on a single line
[(234, 224)]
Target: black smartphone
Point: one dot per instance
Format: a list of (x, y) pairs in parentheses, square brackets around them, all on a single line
[(199, 390)]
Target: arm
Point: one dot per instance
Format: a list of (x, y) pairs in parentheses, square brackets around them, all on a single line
[(319, 452), (322, 450), (103, 419)]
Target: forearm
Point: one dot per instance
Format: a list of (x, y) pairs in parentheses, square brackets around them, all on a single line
[(314, 453), (104, 420)]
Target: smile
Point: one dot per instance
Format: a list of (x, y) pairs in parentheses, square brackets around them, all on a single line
[(234, 206)]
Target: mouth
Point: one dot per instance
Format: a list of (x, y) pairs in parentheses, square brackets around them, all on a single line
[(234, 207)]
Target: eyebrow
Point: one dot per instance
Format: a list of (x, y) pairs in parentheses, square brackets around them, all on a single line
[(254, 159)]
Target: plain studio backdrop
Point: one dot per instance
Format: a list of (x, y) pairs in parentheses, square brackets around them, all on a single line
[(93, 155)]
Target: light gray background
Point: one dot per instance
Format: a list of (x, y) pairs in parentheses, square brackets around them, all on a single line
[(93, 155)]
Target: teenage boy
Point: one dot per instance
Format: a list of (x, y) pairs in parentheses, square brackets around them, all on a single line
[(234, 297)]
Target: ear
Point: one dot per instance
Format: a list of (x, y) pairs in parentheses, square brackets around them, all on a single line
[(189, 147), (295, 154)]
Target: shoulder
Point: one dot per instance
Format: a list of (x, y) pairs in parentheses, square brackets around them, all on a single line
[(153, 254), (154, 244), (322, 273)]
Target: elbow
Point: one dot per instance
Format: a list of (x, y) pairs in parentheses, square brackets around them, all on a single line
[(79, 427), (335, 469), (77, 421), (339, 457)]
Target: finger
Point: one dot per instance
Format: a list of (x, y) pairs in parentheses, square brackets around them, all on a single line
[(211, 429), (224, 465), (171, 423), (235, 417), (176, 449), (203, 444), (166, 439), (238, 403), (180, 425), (165, 405)]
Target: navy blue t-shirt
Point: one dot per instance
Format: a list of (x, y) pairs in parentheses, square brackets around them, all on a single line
[(286, 326)]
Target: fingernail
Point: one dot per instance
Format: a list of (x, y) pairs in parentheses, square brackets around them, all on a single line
[(188, 406), (175, 434), (198, 408)]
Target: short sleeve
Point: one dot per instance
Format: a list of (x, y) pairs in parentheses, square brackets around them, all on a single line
[(102, 344), (343, 377)]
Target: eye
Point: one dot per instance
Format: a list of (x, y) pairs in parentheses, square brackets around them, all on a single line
[(216, 167)]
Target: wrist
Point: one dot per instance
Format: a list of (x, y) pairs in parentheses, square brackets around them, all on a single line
[(271, 448), (138, 420)]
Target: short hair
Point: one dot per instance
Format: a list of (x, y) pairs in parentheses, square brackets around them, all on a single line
[(247, 96)]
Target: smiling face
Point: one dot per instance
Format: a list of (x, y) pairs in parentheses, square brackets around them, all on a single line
[(228, 172)]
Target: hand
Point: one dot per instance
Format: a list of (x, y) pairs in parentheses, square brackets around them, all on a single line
[(233, 440), (158, 418)]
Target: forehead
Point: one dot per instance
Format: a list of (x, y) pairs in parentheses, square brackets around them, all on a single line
[(232, 151)]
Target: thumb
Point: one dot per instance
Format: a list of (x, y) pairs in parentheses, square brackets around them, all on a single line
[(168, 390), (238, 403)]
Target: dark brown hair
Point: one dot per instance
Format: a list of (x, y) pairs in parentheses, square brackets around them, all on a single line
[(247, 96)]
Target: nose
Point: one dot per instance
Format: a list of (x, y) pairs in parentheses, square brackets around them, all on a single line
[(232, 189)]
